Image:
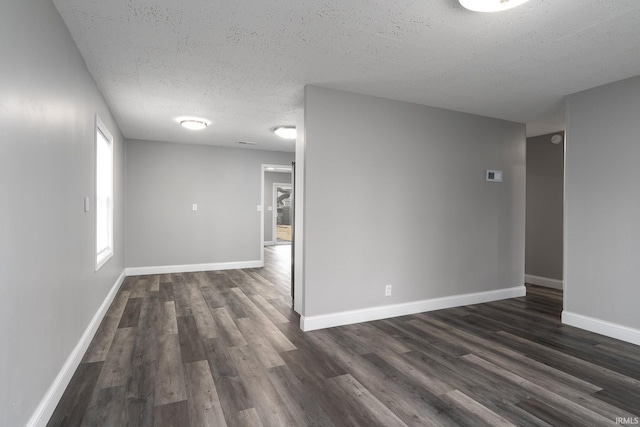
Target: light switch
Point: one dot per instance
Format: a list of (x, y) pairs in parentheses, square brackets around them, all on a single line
[(259, 208), (86, 204), (270, 208), (493, 176), (195, 206)]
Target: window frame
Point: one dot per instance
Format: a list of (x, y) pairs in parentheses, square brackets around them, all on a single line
[(102, 255)]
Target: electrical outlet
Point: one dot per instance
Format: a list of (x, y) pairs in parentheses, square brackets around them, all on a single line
[(387, 290), (195, 207)]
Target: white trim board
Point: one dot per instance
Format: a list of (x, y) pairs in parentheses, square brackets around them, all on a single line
[(310, 323), (602, 327), (190, 268), (544, 281), (52, 397)]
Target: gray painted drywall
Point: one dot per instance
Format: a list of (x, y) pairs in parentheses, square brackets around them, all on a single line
[(271, 178), (545, 189), (165, 179), (406, 202), (50, 291), (602, 211)]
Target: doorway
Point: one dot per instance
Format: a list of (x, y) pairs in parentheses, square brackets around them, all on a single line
[(276, 216), (282, 214), (545, 211)]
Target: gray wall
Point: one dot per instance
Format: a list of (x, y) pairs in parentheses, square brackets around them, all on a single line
[(269, 179), (165, 179), (545, 188), (415, 211), (50, 291), (603, 203)]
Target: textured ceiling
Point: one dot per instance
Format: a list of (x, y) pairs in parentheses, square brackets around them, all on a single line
[(243, 64)]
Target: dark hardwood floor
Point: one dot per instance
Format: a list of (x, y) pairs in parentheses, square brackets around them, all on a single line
[(224, 348)]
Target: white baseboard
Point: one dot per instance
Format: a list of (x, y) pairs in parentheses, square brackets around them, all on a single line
[(544, 281), (190, 268), (602, 327), (269, 243), (48, 404), (310, 323)]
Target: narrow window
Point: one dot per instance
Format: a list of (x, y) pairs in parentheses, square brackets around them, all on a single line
[(104, 194)]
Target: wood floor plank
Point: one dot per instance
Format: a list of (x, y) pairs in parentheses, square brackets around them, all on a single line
[(412, 400), (263, 395), (116, 368), (108, 411), (172, 415), (265, 288), (233, 398), (181, 295), (167, 322), (260, 344), (543, 375), (166, 290), (131, 313), (249, 418), (169, 376), (139, 395), (204, 406), (626, 401), (144, 349), (228, 330), (369, 408), (231, 392), (214, 296), (220, 363), (75, 401), (369, 335), (154, 283), (201, 314), (191, 347), (278, 341), (296, 398), (482, 415), (549, 415), (233, 304), (269, 310), (593, 373), (140, 288), (99, 347), (549, 398)]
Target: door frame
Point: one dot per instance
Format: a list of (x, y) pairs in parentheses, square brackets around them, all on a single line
[(264, 169)]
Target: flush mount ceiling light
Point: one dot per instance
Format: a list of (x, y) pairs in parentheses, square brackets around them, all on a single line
[(556, 139), (491, 5), (193, 124), (286, 132)]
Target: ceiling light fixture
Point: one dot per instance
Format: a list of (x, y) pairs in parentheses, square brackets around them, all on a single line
[(193, 124), (556, 139), (286, 132), (491, 5)]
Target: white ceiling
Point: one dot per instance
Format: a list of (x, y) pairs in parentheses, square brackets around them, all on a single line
[(243, 64)]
